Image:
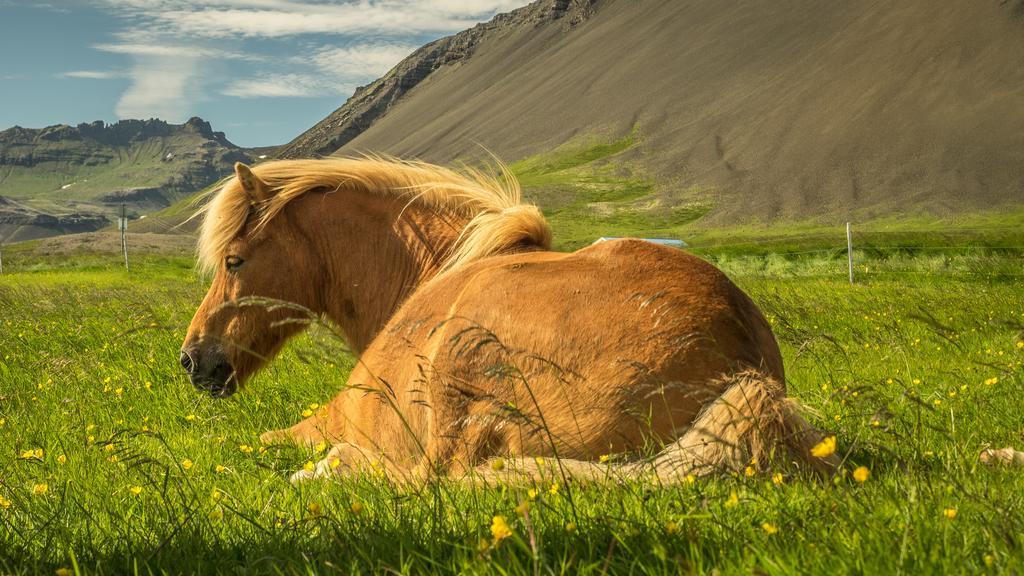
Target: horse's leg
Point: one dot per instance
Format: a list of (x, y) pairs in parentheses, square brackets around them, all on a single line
[(541, 471), (750, 423), (326, 424), (347, 459)]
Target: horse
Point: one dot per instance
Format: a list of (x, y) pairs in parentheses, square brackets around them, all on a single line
[(478, 345)]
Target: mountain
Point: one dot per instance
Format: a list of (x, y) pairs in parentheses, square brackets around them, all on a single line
[(749, 110), (67, 179)]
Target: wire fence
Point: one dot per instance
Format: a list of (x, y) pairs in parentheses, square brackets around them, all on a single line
[(829, 253)]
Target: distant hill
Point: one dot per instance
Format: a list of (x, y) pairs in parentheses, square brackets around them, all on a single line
[(69, 179), (749, 110)]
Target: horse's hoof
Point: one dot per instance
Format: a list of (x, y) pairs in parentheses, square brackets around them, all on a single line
[(1007, 456), (302, 476)]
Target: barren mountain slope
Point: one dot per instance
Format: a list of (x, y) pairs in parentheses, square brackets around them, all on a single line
[(772, 110)]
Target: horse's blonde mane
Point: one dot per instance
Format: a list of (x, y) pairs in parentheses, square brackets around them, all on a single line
[(498, 219)]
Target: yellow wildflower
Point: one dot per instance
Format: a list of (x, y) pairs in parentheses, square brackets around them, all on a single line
[(307, 413), (109, 447), (769, 528), (861, 474), (733, 501), (356, 507), (321, 447), (750, 471), (949, 513), (245, 448), (313, 508), (690, 479), (186, 464), (992, 380), (777, 478), (309, 466), (498, 464), (4, 503), (532, 494), (500, 529), (825, 448), (190, 418), (1020, 344), (220, 469), (40, 489), (33, 454), (990, 559), (334, 463), (604, 458), (570, 527), (135, 490), (553, 489)]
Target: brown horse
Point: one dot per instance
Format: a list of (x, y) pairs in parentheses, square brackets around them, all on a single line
[(476, 341)]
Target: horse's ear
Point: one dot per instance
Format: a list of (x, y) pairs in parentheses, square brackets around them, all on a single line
[(255, 189)]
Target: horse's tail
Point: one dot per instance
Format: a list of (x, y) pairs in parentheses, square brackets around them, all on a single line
[(751, 423)]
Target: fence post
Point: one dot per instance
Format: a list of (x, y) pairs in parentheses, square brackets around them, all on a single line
[(122, 223), (849, 250)]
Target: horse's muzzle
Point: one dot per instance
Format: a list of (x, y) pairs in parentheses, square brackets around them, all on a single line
[(209, 372)]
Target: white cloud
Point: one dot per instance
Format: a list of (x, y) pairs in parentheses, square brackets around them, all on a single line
[(277, 18), (331, 71), (171, 50), (162, 87), (363, 61), (92, 74), (175, 45), (293, 85)]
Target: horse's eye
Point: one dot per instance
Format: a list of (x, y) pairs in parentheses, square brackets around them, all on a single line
[(232, 263)]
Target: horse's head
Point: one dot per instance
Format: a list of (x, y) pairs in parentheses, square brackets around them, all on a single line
[(244, 319)]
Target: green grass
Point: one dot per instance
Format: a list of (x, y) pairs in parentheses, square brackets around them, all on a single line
[(585, 188), (914, 370)]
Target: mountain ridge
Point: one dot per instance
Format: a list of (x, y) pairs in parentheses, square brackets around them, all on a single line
[(69, 179), (768, 111), (373, 100)]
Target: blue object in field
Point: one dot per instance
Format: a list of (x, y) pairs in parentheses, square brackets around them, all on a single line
[(666, 241)]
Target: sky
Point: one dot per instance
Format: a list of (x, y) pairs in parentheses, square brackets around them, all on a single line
[(262, 71)]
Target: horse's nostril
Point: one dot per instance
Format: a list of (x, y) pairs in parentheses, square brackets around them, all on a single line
[(186, 362)]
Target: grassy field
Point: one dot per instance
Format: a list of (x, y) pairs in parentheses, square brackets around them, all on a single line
[(111, 463)]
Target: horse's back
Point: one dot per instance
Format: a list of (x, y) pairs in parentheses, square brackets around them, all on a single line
[(619, 340)]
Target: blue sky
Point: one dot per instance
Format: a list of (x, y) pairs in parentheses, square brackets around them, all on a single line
[(262, 71)]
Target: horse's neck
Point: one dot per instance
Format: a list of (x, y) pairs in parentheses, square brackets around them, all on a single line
[(375, 255)]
